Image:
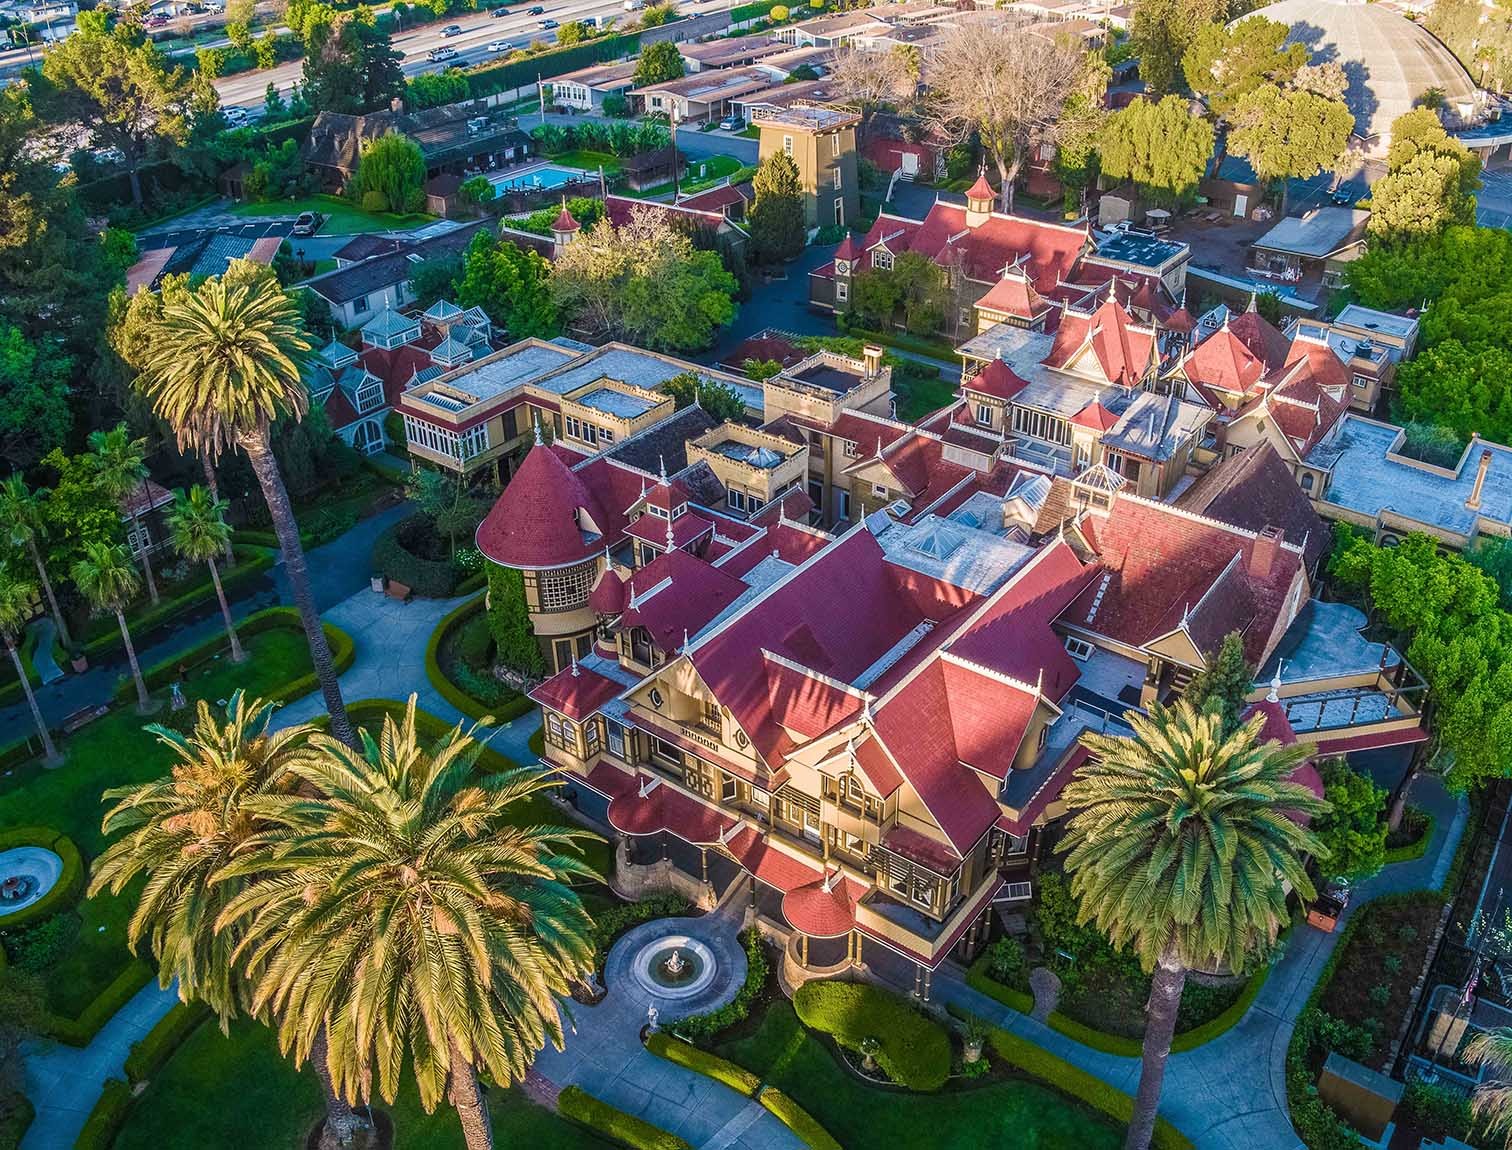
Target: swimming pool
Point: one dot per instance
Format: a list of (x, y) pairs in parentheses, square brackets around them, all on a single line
[(545, 176)]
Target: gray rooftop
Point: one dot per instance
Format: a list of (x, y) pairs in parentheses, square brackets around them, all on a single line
[(1369, 319), (495, 376), (1321, 232), (1141, 248), (616, 403), (1153, 426), (952, 552), (1323, 641), (1366, 481), (638, 368), (751, 455)]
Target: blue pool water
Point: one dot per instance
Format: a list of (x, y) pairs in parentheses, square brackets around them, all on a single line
[(543, 177)]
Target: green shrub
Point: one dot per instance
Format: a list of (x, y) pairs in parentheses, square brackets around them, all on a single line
[(150, 1052), (704, 1027), (915, 1051), (428, 578), (107, 1117), (577, 1104), (36, 948), (1438, 1110), (1007, 962), (374, 201), (474, 693), (80, 1031), (737, 1078), (65, 891), (797, 1119), (609, 924), (16, 1116)]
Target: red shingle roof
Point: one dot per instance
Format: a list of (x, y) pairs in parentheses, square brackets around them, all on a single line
[(818, 912), (988, 248), (544, 517), (695, 593), (997, 379), (577, 692)]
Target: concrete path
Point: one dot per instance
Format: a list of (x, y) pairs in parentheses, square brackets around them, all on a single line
[(1230, 1094), (43, 661)]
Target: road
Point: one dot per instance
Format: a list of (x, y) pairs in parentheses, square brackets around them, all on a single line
[(248, 89)]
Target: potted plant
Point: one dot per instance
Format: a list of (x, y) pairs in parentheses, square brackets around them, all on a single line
[(870, 1047), (972, 1037)]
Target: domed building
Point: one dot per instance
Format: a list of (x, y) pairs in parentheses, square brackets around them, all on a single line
[(1390, 63)]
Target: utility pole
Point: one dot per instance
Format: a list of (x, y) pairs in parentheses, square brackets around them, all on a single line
[(672, 122)]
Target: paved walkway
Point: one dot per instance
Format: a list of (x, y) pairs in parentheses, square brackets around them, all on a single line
[(1230, 1094), (603, 1054)]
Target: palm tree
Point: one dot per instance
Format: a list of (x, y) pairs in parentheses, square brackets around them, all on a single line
[(17, 601), (181, 829), (21, 509), (106, 578), (1181, 846), (224, 364), (408, 910), (197, 523), (121, 463), (1491, 1102)]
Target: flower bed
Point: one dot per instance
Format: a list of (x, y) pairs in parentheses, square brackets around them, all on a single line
[(457, 660)]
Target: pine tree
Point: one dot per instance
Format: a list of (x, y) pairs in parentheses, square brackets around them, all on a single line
[(778, 231), (1224, 684)]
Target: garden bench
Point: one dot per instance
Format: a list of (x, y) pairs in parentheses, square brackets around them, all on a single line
[(83, 717), (401, 591)]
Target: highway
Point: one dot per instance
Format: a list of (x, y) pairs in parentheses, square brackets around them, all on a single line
[(248, 89)]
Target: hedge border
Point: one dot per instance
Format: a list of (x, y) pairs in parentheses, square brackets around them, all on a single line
[(1037, 1062), (690, 1057), (70, 885), (1117, 1044), (425, 577), (915, 1049), (597, 1115), (797, 1119), (149, 1053), (107, 1117), (1413, 850), (122, 989), (343, 652), (260, 560), (455, 695), (14, 1130)]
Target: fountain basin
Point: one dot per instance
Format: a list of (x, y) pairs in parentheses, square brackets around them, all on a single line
[(674, 966), (27, 874)]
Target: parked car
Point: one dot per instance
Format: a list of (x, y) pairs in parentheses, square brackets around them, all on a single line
[(215, 7), (731, 124), (498, 12), (452, 30), (549, 24), (308, 223), (158, 21), (441, 53), (498, 45)]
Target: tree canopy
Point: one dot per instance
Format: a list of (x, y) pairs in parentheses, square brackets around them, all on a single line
[(1162, 147), (659, 62), (718, 398), (510, 283), (1430, 182), (1353, 830), (776, 220), (390, 174), (1225, 63), (1162, 31), (350, 63), (1287, 133)]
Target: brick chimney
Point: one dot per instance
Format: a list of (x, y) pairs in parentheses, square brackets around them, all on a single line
[(1264, 550), (1474, 502)]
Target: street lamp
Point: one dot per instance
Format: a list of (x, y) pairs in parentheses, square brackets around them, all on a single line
[(672, 123)]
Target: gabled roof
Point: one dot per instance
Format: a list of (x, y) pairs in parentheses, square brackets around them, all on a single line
[(1237, 356), (1014, 295), (1124, 349), (577, 692), (997, 379), (1254, 490), (675, 596), (1049, 251), (1095, 416)]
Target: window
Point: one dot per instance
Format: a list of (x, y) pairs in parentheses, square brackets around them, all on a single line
[(591, 734), (851, 450), (1040, 425), (984, 414), (573, 428), (787, 145), (879, 491), (837, 178), (361, 305), (842, 267), (711, 720), (1307, 482), (666, 751), (370, 394), (590, 433), (1363, 381), (616, 733), (657, 699), (511, 424), (606, 435), (1078, 649), (842, 503), (566, 590), (882, 260), (855, 791), (474, 441), (839, 212), (736, 500), (922, 889), (842, 291), (729, 789), (835, 151)]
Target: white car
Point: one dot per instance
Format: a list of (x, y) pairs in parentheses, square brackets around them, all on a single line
[(234, 115), (498, 45)]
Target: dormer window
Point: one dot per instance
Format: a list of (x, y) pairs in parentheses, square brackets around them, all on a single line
[(882, 260), (369, 395)]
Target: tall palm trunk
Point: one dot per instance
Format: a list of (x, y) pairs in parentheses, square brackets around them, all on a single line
[(50, 754), (342, 1122), (237, 654), (259, 448), (52, 599), (146, 556), (1160, 1028), (214, 485), (144, 701), (466, 1097)]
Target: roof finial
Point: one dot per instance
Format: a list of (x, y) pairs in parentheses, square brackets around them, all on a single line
[(662, 470), (685, 641), (538, 431), (574, 667), (1275, 692), (669, 531)]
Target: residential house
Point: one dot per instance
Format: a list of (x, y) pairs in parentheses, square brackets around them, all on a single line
[(202, 252), (1320, 242), (464, 138), (588, 88)]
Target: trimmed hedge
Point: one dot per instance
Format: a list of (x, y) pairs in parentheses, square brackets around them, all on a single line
[(65, 891), (915, 1051), (428, 578), (797, 1119), (455, 695), (1037, 1062), (248, 568), (506, 76), (80, 1031), (706, 1026), (107, 1117), (609, 924), (979, 980), (1416, 849), (153, 1049), (722, 1070), (164, 672), (577, 1104)]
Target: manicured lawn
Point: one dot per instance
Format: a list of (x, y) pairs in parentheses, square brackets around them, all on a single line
[(238, 1091), (920, 393), (111, 752), (706, 171), (587, 161), (343, 217), (1008, 1112)]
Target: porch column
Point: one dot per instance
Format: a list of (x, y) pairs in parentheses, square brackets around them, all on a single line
[(918, 981), (928, 974), (703, 857), (857, 960), (803, 950)]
